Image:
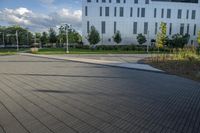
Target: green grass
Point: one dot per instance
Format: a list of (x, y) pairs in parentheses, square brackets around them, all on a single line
[(87, 51), (10, 51)]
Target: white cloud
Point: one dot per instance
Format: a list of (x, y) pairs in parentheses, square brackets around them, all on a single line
[(39, 22)]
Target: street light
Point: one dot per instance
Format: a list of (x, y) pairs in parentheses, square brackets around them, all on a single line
[(148, 41), (17, 40), (67, 26)]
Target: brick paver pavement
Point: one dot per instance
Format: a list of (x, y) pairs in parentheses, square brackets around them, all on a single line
[(40, 95)]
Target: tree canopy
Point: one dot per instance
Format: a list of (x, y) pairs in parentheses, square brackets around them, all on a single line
[(93, 36), (141, 39), (117, 37)]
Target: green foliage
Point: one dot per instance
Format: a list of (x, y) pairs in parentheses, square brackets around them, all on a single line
[(141, 39), (161, 36), (44, 38), (52, 36), (117, 37), (198, 38), (179, 41), (93, 36)]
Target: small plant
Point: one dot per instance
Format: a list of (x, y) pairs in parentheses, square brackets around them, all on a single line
[(161, 36), (93, 36), (141, 39), (117, 37)]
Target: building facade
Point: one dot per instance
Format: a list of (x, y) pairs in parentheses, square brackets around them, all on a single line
[(132, 17)]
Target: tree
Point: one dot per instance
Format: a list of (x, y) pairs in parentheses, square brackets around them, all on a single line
[(52, 36), (178, 40), (93, 36), (141, 39), (44, 38), (198, 38), (161, 36), (117, 37)]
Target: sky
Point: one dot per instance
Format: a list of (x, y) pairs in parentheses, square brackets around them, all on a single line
[(40, 15)]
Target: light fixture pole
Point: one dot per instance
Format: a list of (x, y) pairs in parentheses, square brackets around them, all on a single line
[(17, 40), (67, 37), (148, 41)]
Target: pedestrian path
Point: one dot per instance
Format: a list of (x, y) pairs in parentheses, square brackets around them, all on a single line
[(112, 63)]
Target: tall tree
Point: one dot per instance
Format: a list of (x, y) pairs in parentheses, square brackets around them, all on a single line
[(161, 36), (93, 36), (44, 38), (52, 36), (141, 39), (117, 37)]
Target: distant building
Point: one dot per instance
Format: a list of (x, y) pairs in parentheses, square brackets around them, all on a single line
[(132, 17)]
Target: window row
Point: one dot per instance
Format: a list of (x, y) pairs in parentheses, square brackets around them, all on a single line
[(142, 11), (184, 28), (116, 1)]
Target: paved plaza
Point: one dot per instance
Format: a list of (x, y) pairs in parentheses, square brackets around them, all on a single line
[(40, 95)]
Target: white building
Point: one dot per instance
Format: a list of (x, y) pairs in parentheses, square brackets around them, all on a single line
[(132, 17)]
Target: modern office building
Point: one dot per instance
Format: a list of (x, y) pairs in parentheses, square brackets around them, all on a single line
[(132, 17)]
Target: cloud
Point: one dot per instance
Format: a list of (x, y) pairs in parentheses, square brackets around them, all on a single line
[(40, 22), (47, 1)]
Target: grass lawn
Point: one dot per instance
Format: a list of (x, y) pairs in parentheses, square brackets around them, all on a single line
[(87, 51), (10, 51)]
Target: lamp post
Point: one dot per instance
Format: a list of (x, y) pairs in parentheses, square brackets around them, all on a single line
[(17, 40), (148, 41)]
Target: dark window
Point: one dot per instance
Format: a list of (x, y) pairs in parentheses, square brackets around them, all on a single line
[(131, 12), (146, 1), (162, 13), (143, 12), (179, 13), (168, 13), (195, 28), (117, 1), (103, 1), (121, 12), (107, 11), (188, 28), (115, 27), (187, 14), (138, 12), (110, 1), (170, 28), (88, 0), (100, 11), (134, 27), (103, 27), (145, 27), (88, 26), (136, 1), (115, 11), (182, 29), (155, 12), (193, 14), (86, 11), (156, 28)]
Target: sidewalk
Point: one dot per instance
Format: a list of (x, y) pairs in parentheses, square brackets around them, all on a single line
[(111, 63)]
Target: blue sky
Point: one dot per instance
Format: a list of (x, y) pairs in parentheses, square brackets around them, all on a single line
[(39, 15)]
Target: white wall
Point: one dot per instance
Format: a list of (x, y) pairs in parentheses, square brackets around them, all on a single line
[(125, 24)]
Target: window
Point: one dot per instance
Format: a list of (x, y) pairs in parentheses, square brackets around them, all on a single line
[(117, 1), (193, 14), (86, 11), (107, 11), (195, 28), (170, 28), (134, 27), (146, 1), (131, 12), (143, 13), (138, 12), (115, 27), (136, 1), (103, 27), (156, 28), (145, 27), (103, 1), (121, 12), (188, 28), (187, 14), (168, 13), (124, 1), (97, 1), (155, 12), (182, 29), (115, 11), (162, 13), (88, 0), (110, 1), (179, 13), (100, 11), (88, 26)]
